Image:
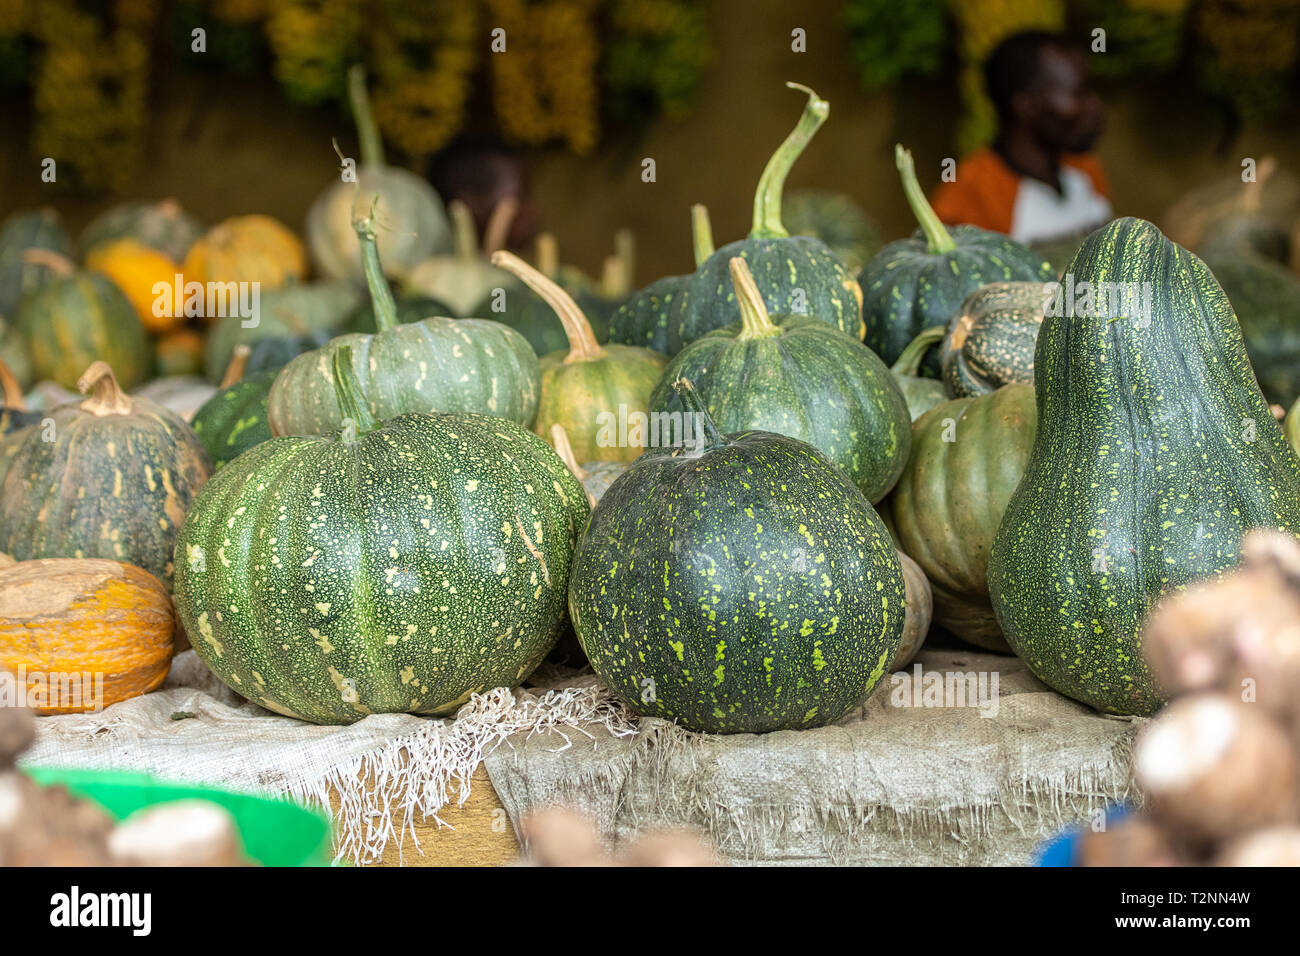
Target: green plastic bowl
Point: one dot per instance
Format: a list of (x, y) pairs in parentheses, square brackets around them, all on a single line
[(273, 832)]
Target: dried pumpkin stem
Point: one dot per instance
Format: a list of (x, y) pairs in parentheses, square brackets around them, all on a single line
[(55, 261), (755, 323), (767, 198), (701, 233), (238, 363), (613, 278), (625, 250), (937, 237), (106, 396), (498, 225), (464, 234), (583, 346), (13, 394), (560, 442), (547, 253), (372, 146)]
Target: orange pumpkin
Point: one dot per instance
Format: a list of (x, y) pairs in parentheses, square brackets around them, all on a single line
[(135, 269), (86, 633), (247, 249)]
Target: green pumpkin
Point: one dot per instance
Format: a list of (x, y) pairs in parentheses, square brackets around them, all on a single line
[(796, 274), (297, 311), (1266, 298), (80, 317), (271, 355), (915, 283), (921, 393), (589, 387), (434, 365), (798, 376), (110, 477), (162, 225), (234, 420), (1291, 427), (514, 304), (645, 318), (21, 275), (464, 277), (1155, 453), (740, 587), (399, 569), (415, 220), (968, 456), (990, 341), (837, 220)]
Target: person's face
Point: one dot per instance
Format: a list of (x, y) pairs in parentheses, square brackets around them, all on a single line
[(1063, 110)]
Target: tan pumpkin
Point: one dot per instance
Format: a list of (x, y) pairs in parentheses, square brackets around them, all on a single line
[(136, 269), (247, 249), (87, 633)]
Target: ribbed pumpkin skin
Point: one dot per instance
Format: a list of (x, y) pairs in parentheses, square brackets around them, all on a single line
[(402, 572), (162, 225), (644, 319), (108, 486), (435, 365), (574, 394), (906, 288), (747, 588), (991, 339), (1266, 298), (789, 271), (32, 229), (234, 420), (414, 217), (298, 310), (75, 320), (62, 616), (950, 499), (1155, 451), (809, 382)]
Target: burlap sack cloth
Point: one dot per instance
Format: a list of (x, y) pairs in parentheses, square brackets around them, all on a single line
[(905, 779)]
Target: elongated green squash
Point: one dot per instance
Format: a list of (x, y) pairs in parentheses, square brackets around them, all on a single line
[(400, 567), (795, 274), (798, 376), (742, 586), (1155, 452)]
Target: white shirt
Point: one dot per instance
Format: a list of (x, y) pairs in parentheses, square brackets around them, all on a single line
[(1041, 213)]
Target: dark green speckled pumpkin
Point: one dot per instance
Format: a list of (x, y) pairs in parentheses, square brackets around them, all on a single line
[(22, 275), (795, 274), (109, 477), (234, 420), (645, 318), (403, 569), (990, 341), (436, 364), (801, 377), (916, 283), (741, 587)]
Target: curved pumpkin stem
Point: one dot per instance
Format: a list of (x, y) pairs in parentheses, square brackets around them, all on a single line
[(348, 390), (380, 294), (701, 233), (754, 321), (238, 363), (560, 442), (910, 359), (372, 146), (499, 223), (547, 253), (106, 396), (13, 393), (464, 235), (694, 406), (767, 198), (937, 237), (1252, 199), (583, 346), (54, 261)]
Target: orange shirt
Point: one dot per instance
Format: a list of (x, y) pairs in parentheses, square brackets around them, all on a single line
[(985, 189)]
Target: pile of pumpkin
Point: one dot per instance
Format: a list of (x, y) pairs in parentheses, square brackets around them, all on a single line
[(397, 518)]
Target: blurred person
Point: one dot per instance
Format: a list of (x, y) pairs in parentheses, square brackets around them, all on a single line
[(480, 172), (1039, 180)]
